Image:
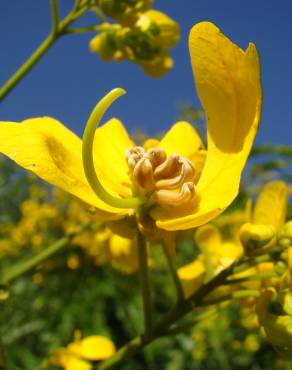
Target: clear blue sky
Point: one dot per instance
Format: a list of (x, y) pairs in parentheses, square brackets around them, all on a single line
[(69, 80)]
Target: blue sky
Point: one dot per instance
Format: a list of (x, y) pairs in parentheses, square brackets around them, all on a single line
[(69, 80)]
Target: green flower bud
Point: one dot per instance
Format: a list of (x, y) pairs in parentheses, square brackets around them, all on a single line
[(125, 11), (286, 232), (274, 312), (257, 239)]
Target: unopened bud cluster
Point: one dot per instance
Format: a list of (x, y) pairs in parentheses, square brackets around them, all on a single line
[(140, 37), (125, 11)]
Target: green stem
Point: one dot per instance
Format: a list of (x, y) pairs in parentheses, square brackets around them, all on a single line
[(145, 285), (2, 358), (35, 261), (285, 150), (58, 30), (55, 16), (250, 262), (175, 314), (235, 295), (98, 12), (123, 354), (259, 276), (173, 270), (177, 329), (161, 328), (86, 29), (27, 66)]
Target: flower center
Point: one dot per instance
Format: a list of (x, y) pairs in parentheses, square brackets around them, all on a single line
[(169, 181)]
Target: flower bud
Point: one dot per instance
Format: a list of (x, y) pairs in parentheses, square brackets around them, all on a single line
[(104, 42), (274, 311), (257, 239), (285, 236), (124, 11)]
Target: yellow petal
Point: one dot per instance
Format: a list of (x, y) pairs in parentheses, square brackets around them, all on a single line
[(183, 139), (150, 143), (192, 276), (208, 236), (75, 363), (96, 347), (229, 252), (271, 205), (47, 148), (110, 144), (228, 84), (123, 254)]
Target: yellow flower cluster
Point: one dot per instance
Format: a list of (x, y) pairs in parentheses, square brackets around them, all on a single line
[(42, 219)]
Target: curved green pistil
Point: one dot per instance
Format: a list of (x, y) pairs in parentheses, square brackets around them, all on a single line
[(87, 153)]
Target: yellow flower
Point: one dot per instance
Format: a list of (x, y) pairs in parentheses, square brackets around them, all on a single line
[(260, 234), (216, 254), (274, 311), (123, 254), (78, 354), (162, 183)]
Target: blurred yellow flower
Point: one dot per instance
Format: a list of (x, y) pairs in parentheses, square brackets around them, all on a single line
[(79, 354), (123, 254), (260, 234), (164, 183), (274, 311), (216, 254)]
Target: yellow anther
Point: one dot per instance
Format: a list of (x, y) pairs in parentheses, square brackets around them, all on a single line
[(133, 155), (143, 174), (169, 179), (156, 155), (168, 168), (186, 174), (172, 198)]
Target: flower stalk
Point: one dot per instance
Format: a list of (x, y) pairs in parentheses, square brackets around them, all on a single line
[(173, 270), (59, 28), (2, 358), (145, 285)]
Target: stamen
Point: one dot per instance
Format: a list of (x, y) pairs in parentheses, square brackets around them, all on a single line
[(172, 198), (156, 155), (143, 174), (168, 168), (133, 155), (170, 180), (186, 173)]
